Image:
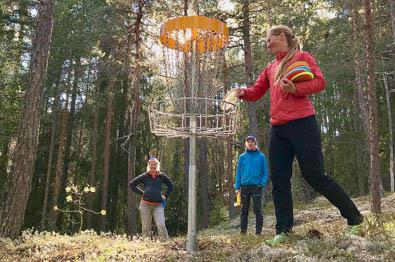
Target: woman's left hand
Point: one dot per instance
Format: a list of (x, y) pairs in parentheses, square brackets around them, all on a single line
[(287, 85)]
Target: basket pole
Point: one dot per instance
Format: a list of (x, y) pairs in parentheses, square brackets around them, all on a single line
[(192, 194)]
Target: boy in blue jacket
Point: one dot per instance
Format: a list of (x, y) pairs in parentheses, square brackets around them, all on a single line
[(251, 179)]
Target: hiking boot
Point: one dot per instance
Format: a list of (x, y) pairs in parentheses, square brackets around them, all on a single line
[(355, 230), (278, 240)]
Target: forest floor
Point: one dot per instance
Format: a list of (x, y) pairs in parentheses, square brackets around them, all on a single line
[(318, 236)]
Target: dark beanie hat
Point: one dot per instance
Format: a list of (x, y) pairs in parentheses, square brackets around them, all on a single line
[(250, 137)]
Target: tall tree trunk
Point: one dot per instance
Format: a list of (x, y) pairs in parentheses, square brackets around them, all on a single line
[(204, 192), (375, 178), (94, 138), (360, 107), (76, 171), (327, 119), (15, 199), (107, 142), (251, 106), (55, 113), (69, 135), (116, 182), (59, 169), (221, 166), (63, 115), (81, 131), (70, 124), (229, 155), (358, 146), (392, 4), (229, 172), (3, 165), (391, 140), (134, 113)]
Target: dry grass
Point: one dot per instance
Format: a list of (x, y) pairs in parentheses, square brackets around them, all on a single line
[(318, 236)]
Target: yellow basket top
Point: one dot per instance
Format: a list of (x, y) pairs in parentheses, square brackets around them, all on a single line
[(180, 32)]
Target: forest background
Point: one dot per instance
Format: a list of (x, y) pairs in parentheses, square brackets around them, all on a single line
[(76, 78)]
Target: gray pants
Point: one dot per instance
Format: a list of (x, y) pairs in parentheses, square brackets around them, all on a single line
[(157, 211)]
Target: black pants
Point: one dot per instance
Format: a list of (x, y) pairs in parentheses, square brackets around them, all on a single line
[(302, 138), (248, 192)]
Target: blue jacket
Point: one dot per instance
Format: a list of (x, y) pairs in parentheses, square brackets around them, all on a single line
[(251, 169)]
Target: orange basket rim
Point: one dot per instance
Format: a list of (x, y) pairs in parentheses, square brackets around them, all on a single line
[(216, 38)]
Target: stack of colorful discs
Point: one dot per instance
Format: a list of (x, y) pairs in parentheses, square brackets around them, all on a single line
[(299, 71)]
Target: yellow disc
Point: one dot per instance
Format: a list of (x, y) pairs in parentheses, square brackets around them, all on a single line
[(179, 33), (303, 76)]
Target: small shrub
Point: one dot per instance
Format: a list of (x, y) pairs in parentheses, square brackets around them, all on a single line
[(76, 200)]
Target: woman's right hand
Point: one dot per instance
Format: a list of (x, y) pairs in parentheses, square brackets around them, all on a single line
[(240, 92)]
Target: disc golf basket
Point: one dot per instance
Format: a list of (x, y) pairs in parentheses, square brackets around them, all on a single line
[(193, 58), (186, 116)]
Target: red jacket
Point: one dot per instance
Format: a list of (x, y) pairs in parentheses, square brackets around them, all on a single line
[(285, 107)]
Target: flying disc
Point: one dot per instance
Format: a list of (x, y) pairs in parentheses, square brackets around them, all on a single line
[(303, 76), (299, 71), (230, 99), (296, 64), (294, 72)]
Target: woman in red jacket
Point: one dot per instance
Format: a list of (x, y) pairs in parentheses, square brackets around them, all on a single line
[(294, 131)]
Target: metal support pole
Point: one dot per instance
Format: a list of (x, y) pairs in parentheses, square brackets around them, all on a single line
[(192, 194)]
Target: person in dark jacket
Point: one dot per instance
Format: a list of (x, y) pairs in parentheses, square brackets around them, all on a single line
[(251, 178), (152, 201)]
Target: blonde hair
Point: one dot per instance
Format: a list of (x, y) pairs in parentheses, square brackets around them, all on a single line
[(155, 160), (293, 45)]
